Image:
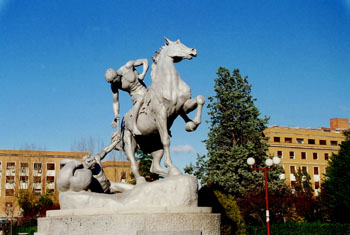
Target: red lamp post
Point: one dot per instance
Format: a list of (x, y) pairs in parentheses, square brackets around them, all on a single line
[(269, 162)]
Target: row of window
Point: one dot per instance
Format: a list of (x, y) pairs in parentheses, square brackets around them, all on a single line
[(304, 169), (277, 139), (10, 179), (24, 183), (24, 166), (317, 185), (303, 155), (24, 177)]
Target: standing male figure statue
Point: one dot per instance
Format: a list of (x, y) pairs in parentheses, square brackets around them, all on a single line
[(127, 78)]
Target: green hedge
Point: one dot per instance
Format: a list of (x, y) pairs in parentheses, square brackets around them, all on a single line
[(301, 229), (24, 229)]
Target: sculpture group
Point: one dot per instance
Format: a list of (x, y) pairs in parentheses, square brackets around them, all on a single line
[(146, 126)]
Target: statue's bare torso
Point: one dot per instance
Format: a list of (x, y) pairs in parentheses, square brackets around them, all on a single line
[(128, 81)]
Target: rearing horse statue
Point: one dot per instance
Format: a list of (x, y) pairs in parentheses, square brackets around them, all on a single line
[(167, 98)]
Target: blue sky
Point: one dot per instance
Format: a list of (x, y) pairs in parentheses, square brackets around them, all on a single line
[(53, 55)]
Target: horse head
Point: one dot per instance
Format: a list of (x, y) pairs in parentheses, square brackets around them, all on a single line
[(178, 51)]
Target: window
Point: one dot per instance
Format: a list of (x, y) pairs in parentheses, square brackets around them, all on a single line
[(123, 176), (9, 208), (50, 191), (292, 169), (10, 165), (276, 139), (11, 168), (323, 142), (50, 179), (316, 170), (24, 165), (288, 140), (279, 154), (311, 141), (10, 179), (23, 179), (334, 142), (314, 156), (37, 168), (303, 155), (326, 156), (317, 185), (37, 191), (304, 168), (291, 155), (37, 179), (9, 192), (24, 168), (50, 166), (300, 140)]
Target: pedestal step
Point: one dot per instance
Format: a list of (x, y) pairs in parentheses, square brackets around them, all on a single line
[(131, 221)]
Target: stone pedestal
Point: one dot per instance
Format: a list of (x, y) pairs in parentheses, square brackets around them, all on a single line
[(164, 207), (131, 221)]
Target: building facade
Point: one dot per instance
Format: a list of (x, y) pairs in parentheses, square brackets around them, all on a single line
[(37, 171), (309, 149)]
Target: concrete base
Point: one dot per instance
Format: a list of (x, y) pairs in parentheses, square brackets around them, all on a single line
[(131, 221)]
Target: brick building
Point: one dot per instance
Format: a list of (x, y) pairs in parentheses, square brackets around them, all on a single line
[(37, 171), (306, 148)]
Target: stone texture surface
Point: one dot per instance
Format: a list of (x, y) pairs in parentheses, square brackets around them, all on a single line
[(128, 210), (174, 191), (131, 224)]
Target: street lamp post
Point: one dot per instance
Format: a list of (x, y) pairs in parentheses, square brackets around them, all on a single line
[(269, 162)]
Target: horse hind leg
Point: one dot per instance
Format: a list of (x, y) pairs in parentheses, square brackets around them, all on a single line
[(189, 106)]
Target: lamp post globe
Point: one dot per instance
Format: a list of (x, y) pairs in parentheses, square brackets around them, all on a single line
[(250, 161), (269, 162), (276, 160)]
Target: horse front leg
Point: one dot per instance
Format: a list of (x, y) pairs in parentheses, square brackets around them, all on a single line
[(189, 106), (165, 139), (129, 149)]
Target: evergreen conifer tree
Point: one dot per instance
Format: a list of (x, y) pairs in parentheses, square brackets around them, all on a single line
[(236, 133), (337, 183)]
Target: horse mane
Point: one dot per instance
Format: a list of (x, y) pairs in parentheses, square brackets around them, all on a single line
[(155, 59)]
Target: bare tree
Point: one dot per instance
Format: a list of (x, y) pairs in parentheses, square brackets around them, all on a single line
[(90, 145)]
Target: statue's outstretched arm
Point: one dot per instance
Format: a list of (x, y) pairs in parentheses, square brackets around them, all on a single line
[(101, 155), (116, 106), (144, 63)]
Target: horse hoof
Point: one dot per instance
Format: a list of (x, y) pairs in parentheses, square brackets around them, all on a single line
[(190, 126), (200, 100), (140, 180)]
